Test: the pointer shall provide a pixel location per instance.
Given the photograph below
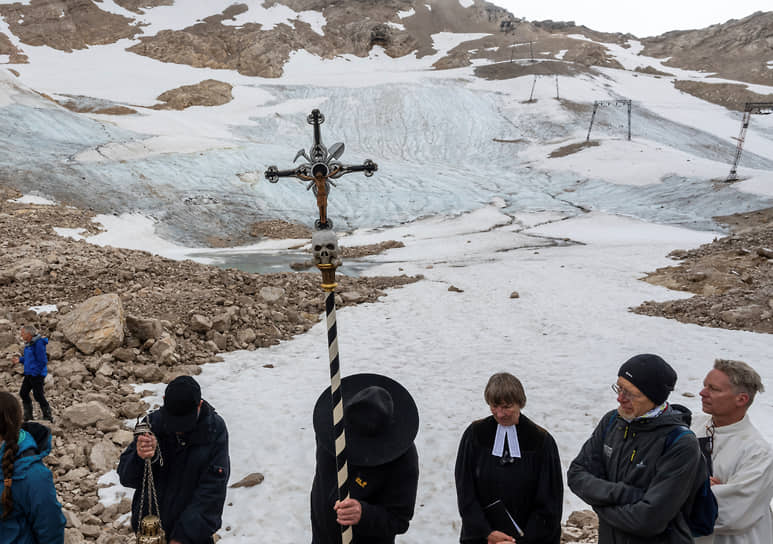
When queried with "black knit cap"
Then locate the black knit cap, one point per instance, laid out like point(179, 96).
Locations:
point(181, 403)
point(651, 374)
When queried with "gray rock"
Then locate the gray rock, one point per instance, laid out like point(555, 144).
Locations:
point(69, 368)
point(95, 325)
point(126, 355)
point(55, 350)
point(86, 414)
point(75, 475)
point(353, 296)
point(27, 269)
point(103, 456)
point(73, 536)
point(148, 373)
point(221, 340)
point(199, 323)
point(272, 294)
point(71, 518)
point(245, 336)
point(164, 348)
point(144, 328)
point(122, 437)
point(222, 322)
point(250, 480)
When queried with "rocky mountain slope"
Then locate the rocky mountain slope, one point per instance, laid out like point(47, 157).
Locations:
point(738, 49)
point(127, 317)
point(731, 278)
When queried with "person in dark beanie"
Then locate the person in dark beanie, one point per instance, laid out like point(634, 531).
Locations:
point(35, 361)
point(626, 471)
point(381, 422)
point(188, 449)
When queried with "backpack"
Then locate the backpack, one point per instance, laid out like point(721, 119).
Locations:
point(701, 509)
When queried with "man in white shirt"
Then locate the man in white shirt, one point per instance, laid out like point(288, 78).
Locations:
point(742, 458)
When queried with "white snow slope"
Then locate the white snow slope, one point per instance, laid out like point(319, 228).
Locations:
point(487, 217)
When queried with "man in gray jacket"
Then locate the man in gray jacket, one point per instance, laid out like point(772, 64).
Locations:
point(635, 481)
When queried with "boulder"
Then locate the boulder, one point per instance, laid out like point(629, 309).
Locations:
point(148, 373)
point(71, 518)
point(353, 297)
point(55, 350)
point(144, 328)
point(26, 269)
point(73, 536)
point(126, 355)
point(222, 322)
point(95, 325)
point(69, 368)
point(7, 339)
point(272, 294)
point(103, 456)
point(164, 348)
point(221, 340)
point(200, 323)
point(86, 414)
point(245, 336)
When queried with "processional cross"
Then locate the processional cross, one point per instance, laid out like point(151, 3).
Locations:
point(321, 167)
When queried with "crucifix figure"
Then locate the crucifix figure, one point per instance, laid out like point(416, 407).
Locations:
point(321, 166)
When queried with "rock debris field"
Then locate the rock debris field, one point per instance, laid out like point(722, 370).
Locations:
point(126, 317)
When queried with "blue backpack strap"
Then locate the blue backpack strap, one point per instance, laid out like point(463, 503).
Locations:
point(674, 435)
point(610, 424)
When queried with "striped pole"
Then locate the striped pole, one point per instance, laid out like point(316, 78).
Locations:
point(336, 396)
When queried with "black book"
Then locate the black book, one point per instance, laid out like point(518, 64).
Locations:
point(500, 519)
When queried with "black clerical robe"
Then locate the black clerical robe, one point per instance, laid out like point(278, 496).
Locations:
point(530, 486)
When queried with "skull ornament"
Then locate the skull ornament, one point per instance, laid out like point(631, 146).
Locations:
point(324, 245)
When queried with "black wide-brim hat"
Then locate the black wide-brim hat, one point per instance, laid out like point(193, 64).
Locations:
point(363, 395)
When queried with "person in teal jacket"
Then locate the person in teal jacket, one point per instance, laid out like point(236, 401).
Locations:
point(29, 510)
point(35, 361)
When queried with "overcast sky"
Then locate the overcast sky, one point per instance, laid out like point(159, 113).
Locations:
point(647, 18)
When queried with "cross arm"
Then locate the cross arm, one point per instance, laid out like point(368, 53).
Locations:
point(273, 174)
point(368, 168)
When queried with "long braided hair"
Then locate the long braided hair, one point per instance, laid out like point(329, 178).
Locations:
point(10, 423)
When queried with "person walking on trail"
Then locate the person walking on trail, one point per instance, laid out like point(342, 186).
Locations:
point(188, 449)
point(29, 510)
point(741, 457)
point(35, 361)
point(626, 471)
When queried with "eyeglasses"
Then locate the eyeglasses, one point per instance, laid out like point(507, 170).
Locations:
point(624, 392)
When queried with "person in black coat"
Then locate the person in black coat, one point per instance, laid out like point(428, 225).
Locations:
point(381, 422)
point(508, 463)
point(189, 451)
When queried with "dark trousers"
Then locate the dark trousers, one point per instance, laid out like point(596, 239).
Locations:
point(34, 384)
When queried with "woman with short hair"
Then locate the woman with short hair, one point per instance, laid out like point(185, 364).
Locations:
point(29, 511)
point(508, 474)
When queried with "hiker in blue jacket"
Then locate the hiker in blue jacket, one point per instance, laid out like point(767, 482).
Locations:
point(29, 511)
point(35, 361)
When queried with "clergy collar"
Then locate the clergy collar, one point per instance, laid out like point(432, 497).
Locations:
point(510, 435)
